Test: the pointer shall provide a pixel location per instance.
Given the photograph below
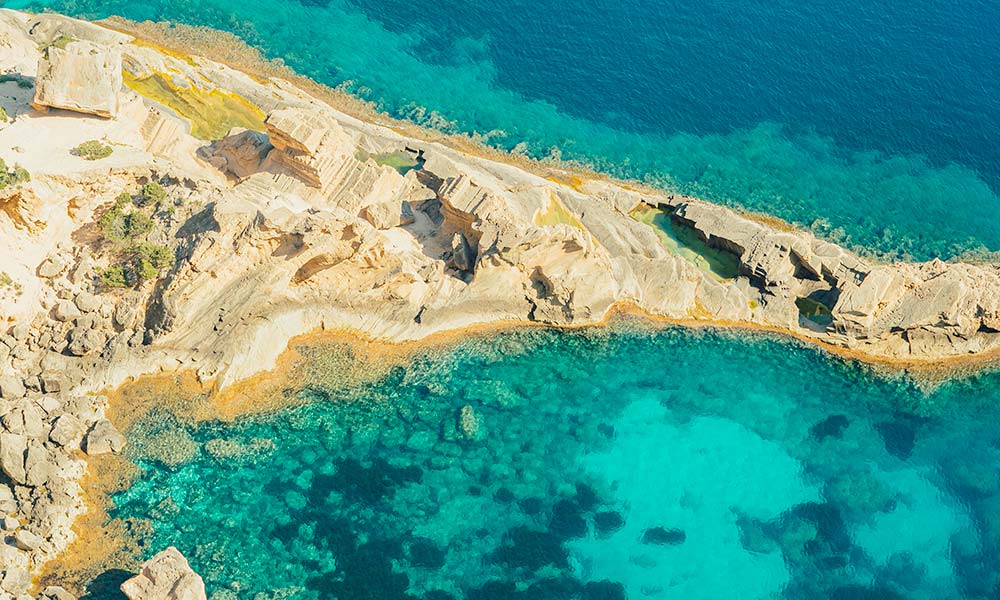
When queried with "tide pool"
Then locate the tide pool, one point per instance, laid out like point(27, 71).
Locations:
point(873, 123)
point(620, 463)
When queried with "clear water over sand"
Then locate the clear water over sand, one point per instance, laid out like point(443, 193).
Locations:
point(625, 464)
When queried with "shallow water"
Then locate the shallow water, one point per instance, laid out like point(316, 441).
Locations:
point(601, 464)
point(873, 122)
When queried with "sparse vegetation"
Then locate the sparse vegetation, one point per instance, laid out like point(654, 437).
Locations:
point(62, 40)
point(12, 176)
point(149, 259)
point(140, 262)
point(152, 194)
point(3, 115)
point(114, 277)
point(127, 224)
point(120, 226)
point(7, 282)
point(92, 150)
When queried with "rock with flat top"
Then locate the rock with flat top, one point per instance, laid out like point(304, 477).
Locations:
point(166, 576)
point(13, 447)
point(51, 267)
point(54, 592)
point(15, 581)
point(103, 438)
point(80, 76)
point(66, 430)
point(26, 540)
point(11, 387)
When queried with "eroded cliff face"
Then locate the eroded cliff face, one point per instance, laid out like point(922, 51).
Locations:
point(296, 217)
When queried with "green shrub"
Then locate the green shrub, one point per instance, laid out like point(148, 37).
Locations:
point(92, 150)
point(114, 277)
point(3, 115)
point(152, 194)
point(156, 257)
point(142, 261)
point(118, 226)
point(12, 176)
point(62, 40)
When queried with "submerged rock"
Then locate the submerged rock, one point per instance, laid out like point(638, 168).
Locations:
point(662, 536)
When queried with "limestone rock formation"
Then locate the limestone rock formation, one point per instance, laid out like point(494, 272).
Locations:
point(316, 223)
point(166, 576)
point(80, 76)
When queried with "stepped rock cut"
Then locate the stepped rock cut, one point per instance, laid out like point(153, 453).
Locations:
point(82, 77)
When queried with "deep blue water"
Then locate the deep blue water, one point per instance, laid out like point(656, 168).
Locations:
point(873, 122)
point(624, 464)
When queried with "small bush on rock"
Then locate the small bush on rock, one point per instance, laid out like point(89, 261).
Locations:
point(148, 260)
point(92, 150)
point(114, 277)
point(12, 176)
point(118, 226)
point(152, 194)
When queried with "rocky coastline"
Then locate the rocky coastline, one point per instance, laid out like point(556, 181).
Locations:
point(161, 212)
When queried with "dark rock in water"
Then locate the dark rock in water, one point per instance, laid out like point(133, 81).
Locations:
point(755, 535)
point(333, 533)
point(504, 496)
point(365, 573)
point(475, 490)
point(899, 437)
point(286, 532)
point(857, 592)
point(368, 485)
point(566, 521)
point(424, 553)
point(608, 522)
point(438, 595)
point(832, 563)
point(830, 528)
point(531, 506)
point(562, 588)
point(586, 498)
point(532, 550)
point(494, 590)
point(603, 590)
point(606, 430)
point(662, 536)
point(832, 426)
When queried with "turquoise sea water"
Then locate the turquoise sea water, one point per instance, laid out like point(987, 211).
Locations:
point(873, 122)
point(602, 464)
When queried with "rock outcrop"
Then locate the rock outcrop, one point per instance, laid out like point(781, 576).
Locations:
point(80, 76)
point(166, 576)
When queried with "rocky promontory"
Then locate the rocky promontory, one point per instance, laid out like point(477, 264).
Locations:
point(161, 212)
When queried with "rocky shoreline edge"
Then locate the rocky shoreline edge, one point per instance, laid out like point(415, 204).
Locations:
point(161, 212)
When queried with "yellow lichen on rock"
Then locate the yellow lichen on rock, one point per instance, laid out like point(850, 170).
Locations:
point(556, 213)
point(212, 113)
